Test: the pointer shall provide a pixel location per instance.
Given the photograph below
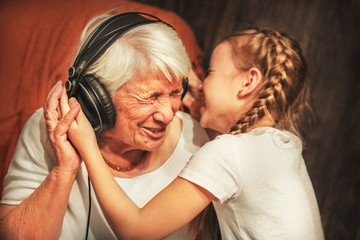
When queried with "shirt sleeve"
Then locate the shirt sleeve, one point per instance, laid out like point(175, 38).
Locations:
point(215, 168)
point(31, 163)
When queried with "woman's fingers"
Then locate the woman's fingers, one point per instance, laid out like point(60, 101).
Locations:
point(52, 99)
point(51, 106)
point(64, 103)
point(64, 124)
point(59, 117)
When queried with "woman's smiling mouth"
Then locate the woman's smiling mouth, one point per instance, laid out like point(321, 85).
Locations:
point(155, 132)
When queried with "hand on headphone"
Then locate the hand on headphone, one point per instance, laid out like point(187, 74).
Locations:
point(59, 117)
point(192, 99)
point(81, 133)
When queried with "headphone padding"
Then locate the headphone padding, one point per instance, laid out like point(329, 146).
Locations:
point(98, 97)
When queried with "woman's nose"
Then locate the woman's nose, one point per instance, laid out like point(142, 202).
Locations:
point(164, 113)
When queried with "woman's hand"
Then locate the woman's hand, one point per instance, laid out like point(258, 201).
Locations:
point(192, 99)
point(58, 118)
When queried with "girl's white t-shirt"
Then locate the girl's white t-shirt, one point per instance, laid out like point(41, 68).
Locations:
point(261, 185)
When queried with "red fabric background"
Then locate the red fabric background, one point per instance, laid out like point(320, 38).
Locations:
point(37, 42)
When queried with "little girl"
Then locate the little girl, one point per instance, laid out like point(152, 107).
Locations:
point(254, 173)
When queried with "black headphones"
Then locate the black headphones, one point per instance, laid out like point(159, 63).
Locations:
point(95, 101)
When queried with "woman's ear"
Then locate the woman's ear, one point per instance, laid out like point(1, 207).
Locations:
point(252, 81)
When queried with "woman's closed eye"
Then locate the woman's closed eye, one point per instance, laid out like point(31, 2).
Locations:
point(151, 98)
point(176, 93)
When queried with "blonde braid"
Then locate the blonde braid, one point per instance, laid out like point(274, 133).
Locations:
point(283, 67)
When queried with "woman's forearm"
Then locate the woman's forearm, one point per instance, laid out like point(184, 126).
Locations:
point(40, 216)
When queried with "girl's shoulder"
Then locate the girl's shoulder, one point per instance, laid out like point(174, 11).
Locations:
point(261, 135)
point(280, 138)
point(258, 139)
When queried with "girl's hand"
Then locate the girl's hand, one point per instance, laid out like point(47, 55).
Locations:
point(81, 133)
point(58, 118)
point(192, 99)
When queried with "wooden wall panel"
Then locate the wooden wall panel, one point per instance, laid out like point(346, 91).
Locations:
point(328, 31)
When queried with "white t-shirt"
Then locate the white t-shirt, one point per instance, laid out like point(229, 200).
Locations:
point(34, 158)
point(261, 185)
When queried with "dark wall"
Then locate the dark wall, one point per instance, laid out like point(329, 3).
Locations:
point(328, 32)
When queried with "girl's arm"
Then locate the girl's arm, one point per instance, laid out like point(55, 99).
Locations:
point(171, 209)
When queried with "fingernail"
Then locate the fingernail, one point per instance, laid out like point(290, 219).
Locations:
point(73, 101)
point(58, 84)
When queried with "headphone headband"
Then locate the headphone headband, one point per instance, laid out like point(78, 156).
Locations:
point(101, 39)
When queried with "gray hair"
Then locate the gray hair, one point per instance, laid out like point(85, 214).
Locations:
point(149, 48)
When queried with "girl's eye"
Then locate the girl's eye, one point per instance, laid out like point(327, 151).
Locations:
point(208, 72)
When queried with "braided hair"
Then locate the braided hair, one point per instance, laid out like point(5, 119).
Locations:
point(284, 91)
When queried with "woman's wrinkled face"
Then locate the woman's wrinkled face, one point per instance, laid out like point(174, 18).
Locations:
point(145, 106)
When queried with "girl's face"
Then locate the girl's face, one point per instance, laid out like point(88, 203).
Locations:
point(221, 109)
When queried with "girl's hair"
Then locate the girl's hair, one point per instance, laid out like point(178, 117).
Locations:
point(284, 93)
point(151, 48)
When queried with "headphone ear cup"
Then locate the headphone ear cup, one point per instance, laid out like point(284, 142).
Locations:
point(96, 103)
